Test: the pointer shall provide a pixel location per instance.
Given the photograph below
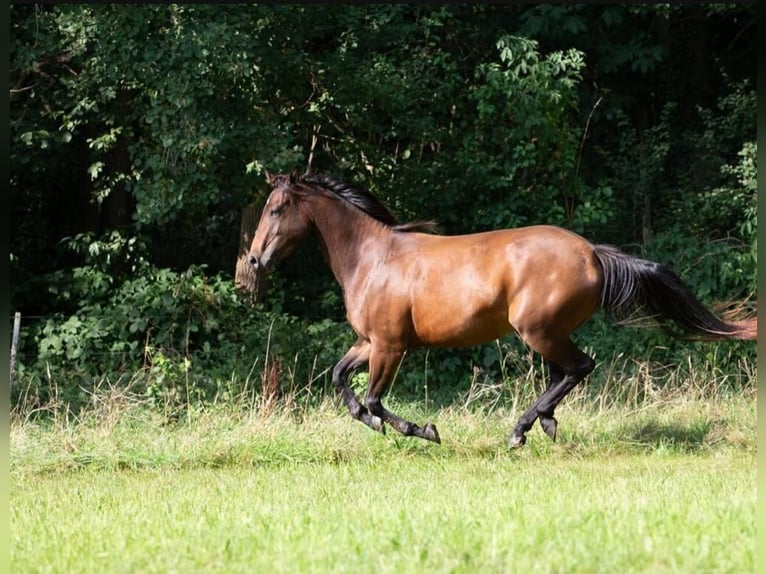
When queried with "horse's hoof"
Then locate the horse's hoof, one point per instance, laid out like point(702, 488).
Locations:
point(550, 425)
point(517, 441)
point(430, 433)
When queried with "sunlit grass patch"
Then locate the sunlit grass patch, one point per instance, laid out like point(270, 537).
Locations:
point(662, 481)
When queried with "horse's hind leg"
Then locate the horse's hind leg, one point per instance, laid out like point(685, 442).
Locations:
point(355, 357)
point(568, 366)
point(547, 403)
point(383, 366)
point(549, 424)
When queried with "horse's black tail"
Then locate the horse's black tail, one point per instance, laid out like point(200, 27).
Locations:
point(633, 284)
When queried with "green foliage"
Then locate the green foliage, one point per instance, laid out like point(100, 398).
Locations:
point(522, 149)
point(139, 133)
point(190, 334)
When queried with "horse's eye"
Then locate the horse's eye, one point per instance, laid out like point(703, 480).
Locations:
point(274, 211)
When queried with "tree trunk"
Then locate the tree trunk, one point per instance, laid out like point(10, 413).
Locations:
point(116, 211)
point(251, 283)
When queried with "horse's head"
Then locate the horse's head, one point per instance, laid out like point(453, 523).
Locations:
point(283, 223)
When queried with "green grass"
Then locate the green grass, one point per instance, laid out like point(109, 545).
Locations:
point(660, 485)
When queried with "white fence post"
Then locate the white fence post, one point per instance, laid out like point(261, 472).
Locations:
point(15, 343)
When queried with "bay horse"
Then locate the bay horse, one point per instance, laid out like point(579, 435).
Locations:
point(405, 286)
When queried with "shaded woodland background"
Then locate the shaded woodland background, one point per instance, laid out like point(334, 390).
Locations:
point(140, 134)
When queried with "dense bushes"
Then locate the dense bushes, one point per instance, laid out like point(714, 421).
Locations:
point(138, 135)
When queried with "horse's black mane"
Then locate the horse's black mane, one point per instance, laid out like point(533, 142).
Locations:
point(357, 196)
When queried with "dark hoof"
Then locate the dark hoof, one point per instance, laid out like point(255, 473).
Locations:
point(430, 433)
point(517, 441)
point(550, 425)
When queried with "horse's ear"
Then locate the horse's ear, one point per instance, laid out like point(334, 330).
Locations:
point(270, 177)
point(295, 175)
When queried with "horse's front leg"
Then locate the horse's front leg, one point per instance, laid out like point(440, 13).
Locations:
point(354, 358)
point(383, 367)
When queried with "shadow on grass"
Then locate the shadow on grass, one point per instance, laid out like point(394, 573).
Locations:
point(653, 435)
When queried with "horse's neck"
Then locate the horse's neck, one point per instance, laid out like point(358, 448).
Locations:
point(349, 238)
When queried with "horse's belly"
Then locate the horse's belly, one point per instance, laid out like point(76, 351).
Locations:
point(452, 322)
point(462, 335)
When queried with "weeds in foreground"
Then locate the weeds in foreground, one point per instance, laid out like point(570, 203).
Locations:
point(644, 409)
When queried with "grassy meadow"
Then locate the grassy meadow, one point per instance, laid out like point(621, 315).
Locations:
point(663, 480)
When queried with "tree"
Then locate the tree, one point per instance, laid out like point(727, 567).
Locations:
point(140, 134)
